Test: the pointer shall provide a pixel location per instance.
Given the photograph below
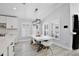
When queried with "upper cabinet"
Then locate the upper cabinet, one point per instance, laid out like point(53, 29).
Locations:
point(2, 19)
point(12, 23)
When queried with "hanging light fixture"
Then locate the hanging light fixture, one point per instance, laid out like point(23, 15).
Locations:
point(36, 9)
point(23, 3)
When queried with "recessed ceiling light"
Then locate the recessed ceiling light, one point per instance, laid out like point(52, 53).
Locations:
point(14, 8)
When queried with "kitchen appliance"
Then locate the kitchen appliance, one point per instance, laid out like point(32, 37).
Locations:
point(75, 29)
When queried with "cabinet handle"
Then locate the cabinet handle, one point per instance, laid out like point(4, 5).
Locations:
point(74, 33)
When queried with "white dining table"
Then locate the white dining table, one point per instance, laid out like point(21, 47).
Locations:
point(43, 38)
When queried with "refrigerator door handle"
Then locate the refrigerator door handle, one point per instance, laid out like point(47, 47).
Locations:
point(74, 33)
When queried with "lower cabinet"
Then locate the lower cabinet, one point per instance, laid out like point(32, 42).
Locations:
point(9, 51)
point(5, 52)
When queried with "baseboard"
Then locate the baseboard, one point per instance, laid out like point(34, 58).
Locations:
point(62, 46)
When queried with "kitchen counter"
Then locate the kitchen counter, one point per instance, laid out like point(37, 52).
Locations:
point(6, 41)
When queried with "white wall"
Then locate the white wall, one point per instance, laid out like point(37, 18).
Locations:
point(74, 9)
point(63, 13)
point(24, 34)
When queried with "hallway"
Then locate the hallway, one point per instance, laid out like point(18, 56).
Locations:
point(24, 48)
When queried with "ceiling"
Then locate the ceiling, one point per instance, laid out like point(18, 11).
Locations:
point(26, 10)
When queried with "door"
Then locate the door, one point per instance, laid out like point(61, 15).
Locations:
point(26, 30)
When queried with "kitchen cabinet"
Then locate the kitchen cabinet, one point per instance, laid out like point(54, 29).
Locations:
point(8, 25)
point(11, 49)
point(12, 23)
point(26, 29)
point(56, 31)
point(46, 29)
point(5, 52)
point(2, 19)
point(52, 29)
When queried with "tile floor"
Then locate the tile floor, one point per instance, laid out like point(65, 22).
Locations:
point(24, 49)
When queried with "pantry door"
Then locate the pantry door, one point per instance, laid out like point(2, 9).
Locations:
point(26, 30)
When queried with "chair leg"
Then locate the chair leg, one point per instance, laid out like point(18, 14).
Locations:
point(39, 48)
point(31, 42)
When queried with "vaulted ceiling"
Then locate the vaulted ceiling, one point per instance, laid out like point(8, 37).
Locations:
point(27, 10)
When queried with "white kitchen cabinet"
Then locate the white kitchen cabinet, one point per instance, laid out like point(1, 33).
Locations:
point(26, 29)
point(46, 29)
point(5, 52)
point(11, 49)
point(52, 29)
point(2, 19)
point(12, 23)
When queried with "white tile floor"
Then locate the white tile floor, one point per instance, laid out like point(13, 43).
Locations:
point(24, 49)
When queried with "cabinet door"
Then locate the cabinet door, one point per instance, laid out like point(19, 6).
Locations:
point(11, 49)
point(12, 22)
point(5, 52)
point(2, 19)
point(46, 29)
point(26, 29)
point(11, 53)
